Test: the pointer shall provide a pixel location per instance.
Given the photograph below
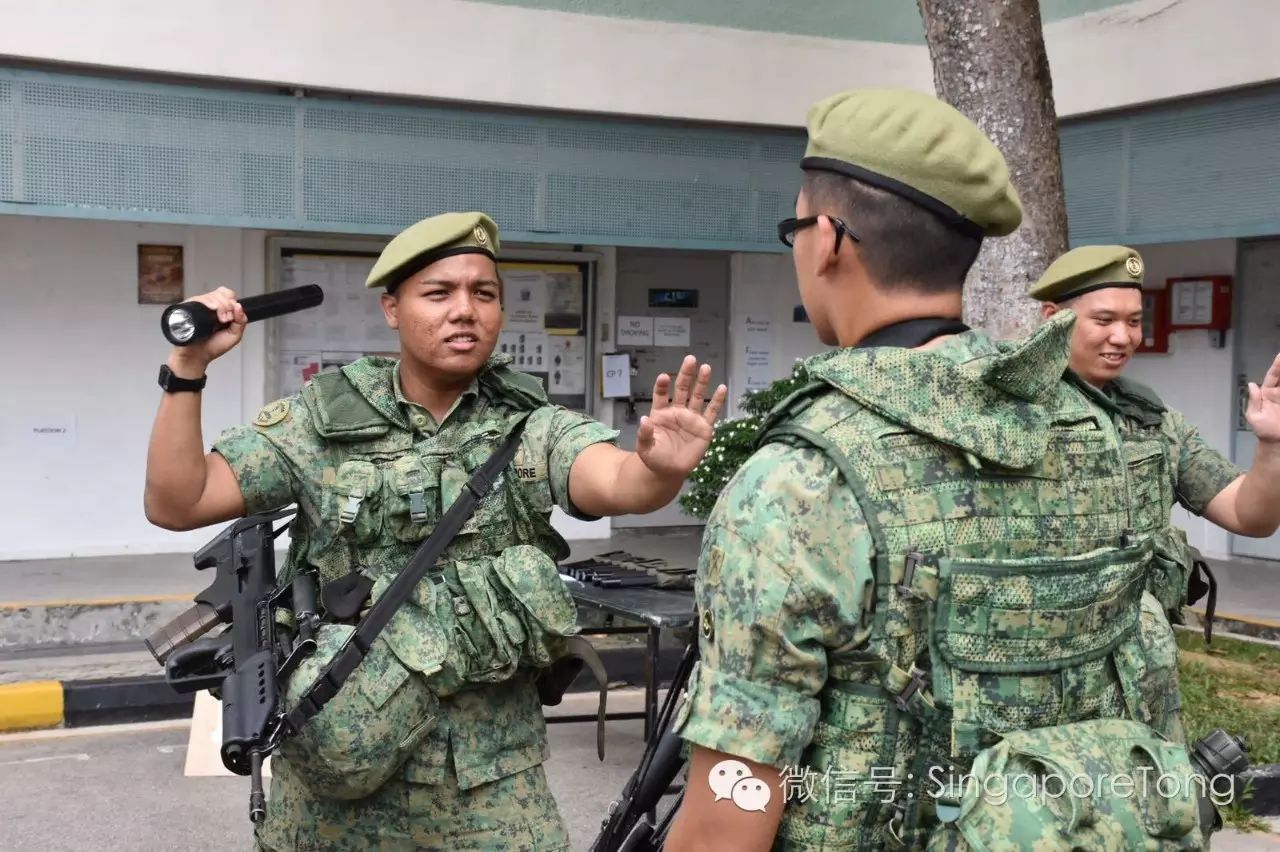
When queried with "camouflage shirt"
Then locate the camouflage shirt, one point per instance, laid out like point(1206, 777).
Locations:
point(1196, 472)
point(777, 593)
point(484, 733)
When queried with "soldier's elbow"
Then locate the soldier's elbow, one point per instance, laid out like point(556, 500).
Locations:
point(1260, 529)
point(161, 514)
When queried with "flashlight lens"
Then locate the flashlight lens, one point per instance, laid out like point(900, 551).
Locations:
point(180, 325)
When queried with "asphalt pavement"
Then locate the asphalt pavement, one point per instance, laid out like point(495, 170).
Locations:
point(122, 789)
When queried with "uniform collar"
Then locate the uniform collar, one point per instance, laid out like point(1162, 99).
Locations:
point(417, 416)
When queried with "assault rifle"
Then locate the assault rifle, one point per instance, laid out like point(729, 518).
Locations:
point(630, 825)
point(248, 662)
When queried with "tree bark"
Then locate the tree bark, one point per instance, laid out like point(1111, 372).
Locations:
point(989, 62)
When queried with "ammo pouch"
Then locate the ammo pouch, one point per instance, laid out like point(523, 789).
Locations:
point(1107, 784)
point(355, 711)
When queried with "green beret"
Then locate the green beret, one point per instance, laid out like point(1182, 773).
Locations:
point(425, 242)
point(919, 148)
point(1088, 268)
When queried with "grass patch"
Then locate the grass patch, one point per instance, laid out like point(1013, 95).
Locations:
point(1232, 685)
point(1235, 686)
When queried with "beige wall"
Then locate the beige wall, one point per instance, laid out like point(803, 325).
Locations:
point(455, 50)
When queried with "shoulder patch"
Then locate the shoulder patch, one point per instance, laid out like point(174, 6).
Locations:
point(273, 413)
point(529, 466)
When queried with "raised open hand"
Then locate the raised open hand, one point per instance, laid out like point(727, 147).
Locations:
point(677, 431)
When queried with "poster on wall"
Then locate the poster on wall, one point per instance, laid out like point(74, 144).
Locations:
point(564, 301)
point(759, 362)
point(568, 369)
point(546, 297)
point(526, 301)
point(528, 350)
point(635, 331)
point(159, 274)
point(671, 331)
point(296, 368)
point(350, 316)
point(753, 335)
point(544, 304)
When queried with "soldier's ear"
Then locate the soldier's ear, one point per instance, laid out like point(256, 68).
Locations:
point(391, 309)
point(1048, 309)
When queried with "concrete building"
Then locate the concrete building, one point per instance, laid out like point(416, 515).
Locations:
point(636, 155)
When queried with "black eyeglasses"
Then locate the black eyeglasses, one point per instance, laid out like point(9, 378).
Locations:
point(787, 229)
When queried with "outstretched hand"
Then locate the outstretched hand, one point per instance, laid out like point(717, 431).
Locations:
point(676, 433)
point(1263, 411)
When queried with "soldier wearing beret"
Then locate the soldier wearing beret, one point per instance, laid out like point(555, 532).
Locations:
point(927, 559)
point(372, 455)
point(1168, 459)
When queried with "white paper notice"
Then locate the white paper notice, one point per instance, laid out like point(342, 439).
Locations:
point(529, 349)
point(671, 331)
point(526, 295)
point(635, 331)
point(615, 370)
point(568, 371)
point(759, 366)
point(755, 328)
point(1192, 302)
point(753, 335)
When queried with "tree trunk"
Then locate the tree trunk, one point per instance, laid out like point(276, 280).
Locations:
point(989, 62)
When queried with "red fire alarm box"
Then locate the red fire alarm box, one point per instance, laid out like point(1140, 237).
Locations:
point(1202, 301)
point(1155, 321)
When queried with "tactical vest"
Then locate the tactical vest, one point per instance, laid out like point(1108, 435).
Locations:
point(1147, 452)
point(1007, 582)
point(493, 604)
point(1139, 417)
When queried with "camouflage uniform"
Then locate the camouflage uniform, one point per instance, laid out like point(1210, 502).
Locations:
point(933, 549)
point(370, 484)
point(1168, 461)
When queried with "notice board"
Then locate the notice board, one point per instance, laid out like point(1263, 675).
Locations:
point(547, 308)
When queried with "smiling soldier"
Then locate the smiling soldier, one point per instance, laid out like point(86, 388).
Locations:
point(1168, 459)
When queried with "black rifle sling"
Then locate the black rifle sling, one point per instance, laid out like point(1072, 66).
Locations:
point(423, 560)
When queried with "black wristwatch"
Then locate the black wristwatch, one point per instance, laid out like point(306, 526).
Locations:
point(176, 384)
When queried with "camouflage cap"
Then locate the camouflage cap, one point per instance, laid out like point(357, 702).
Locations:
point(430, 240)
point(919, 148)
point(1088, 268)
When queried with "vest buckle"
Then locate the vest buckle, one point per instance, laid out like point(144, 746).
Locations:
point(908, 574)
point(916, 681)
point(418, 507)
point(351, 508)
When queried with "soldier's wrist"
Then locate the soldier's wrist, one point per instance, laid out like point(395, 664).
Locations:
point(186, 366)
point(1269, 448)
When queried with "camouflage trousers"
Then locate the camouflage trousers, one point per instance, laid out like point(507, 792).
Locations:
point(517, 813)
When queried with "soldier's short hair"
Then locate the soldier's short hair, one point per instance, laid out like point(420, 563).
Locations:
point(902, 245)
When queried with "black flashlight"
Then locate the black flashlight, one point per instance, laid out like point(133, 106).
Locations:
point(190, 322)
